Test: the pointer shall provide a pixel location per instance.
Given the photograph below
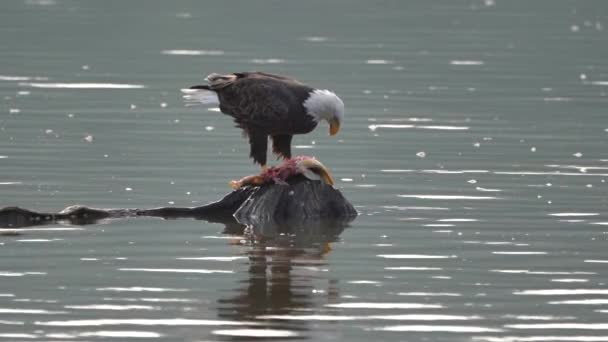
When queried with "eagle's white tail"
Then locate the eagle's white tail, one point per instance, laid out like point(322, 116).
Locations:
point(197, 96)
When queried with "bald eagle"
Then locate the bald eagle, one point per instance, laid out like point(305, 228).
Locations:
point(265, 105)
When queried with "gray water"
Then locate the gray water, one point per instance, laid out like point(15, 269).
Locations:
point(474, 149)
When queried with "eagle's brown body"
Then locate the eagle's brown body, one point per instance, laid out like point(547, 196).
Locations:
point(264, 105)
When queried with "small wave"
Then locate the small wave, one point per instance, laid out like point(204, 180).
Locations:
point(448, 197)
point(543, 272)
point(152, 300)
point(378, 61)
point(40, 2)
point(569, 280)
point(561, 292)
point(82, 85)
point(466, 62)
point(437, 328)
point(22, 78)
point(231, 258)
point(445, 128)
point(315, 39)
point(436, 127)
point(140, 289)
point(375, 127)
point(365, 282)
point(267, 61)
point(545, 338)
point(39, 240)
point(429, 294)
point(175, 270)
point(458, 220)
point(572, 214)
point(256, 333)
point(487, 189)
point(550, 173)
point(48, 229)
point(569, 326)
point(396, 207)
point(538, 317)
point(453, 171)
point(30, 311)
point(118, 333)
point(11, 322)
point(404, 317)
point(414, 256)
point(140, 321)
point(582, 302)
point(110, 307)
point(557, 99)
point(519, 253)
point(413, 268)
point(193, 52)
point(19, 274)
point(18, 335)
point(384, 306)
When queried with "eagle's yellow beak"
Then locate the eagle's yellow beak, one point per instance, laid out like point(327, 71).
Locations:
point(313, 168)
point(334, 127)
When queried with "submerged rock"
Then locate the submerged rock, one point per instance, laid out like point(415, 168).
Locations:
point(300, 202)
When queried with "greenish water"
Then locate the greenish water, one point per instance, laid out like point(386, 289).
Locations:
point(474, 148)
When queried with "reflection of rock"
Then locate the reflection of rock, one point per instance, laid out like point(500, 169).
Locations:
point(300, 201)
point(279, 282)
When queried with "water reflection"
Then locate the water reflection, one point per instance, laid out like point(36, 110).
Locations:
point(283, 260)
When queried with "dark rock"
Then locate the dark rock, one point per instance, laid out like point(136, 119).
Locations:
point(15, 217)
point(268, 208)
point(300, 200)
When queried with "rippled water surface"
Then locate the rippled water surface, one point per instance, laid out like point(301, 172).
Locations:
point(475, 149)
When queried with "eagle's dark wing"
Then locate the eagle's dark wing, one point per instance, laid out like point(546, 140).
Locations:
point(258, 74)
point(257, 104)
point(260, 106)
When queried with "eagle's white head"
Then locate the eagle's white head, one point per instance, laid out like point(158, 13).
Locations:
point(325, 105)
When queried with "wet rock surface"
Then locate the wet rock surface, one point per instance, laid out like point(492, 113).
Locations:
point(300, 203)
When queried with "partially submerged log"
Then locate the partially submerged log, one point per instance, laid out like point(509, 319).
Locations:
point(267, 208)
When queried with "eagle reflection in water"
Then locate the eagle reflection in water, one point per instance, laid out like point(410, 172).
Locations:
point(286, 274)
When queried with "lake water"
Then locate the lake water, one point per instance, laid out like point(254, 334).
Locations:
point(474, 148)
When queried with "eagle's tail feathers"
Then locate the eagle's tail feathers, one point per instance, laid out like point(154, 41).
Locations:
point(194, 96)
